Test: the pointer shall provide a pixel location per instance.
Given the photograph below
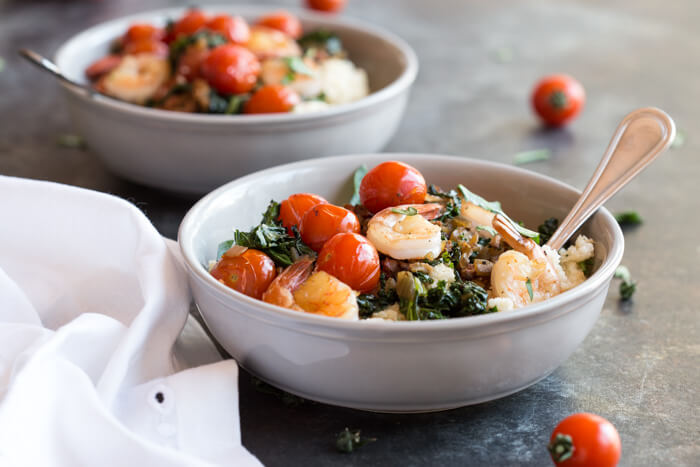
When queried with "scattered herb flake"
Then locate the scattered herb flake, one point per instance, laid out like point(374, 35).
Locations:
point(297, 65)
point(503, 55)
point(587, 266)
point(348, 441)
point(679, 140)
point(409, 211)
point(627, 286)
point(527, 157)
point(71, 141)
point(628, 218)
point(528, 284)
point(356, 180)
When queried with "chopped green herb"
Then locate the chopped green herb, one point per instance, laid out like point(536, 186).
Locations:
point(453, 205)
point(547, 229)
point(356, 181)
point(503, 55)
point(484, 241)
point(527, 157)
point(679, 140)
point(486, 228)
point(324, 39)
point(410, 211)
point(371, 303)
point(218, 104)
point(297, 65)
point(424, 278)
point(71, 141)
point(628, 218)
point(587, 266)
point(348, 441)
point(223, 248)
point(235, 104)
point(495, 207)
point(627, 286)
point(528, 284)
point(273, 239)
point(493, 309)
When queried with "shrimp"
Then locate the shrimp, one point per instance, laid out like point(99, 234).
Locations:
point(477, 215)
point(402, 236)
point(300, 289)
point(137, 78)
point(266, 42)
point(277, 71)
point(527, 263)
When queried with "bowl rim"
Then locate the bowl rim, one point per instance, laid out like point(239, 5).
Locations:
point(196, 271)
point(396, 87)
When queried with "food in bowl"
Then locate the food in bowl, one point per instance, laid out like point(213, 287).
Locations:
point(218, 64)
point(401, 250)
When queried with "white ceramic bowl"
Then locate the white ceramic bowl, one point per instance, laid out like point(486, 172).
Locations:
point(395, 366)
point(195, 152)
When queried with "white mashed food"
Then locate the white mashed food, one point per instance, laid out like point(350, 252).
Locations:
point(342, 82)
point(391, 313)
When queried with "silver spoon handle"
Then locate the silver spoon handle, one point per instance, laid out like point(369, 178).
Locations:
point(639, 139)
point(50, 67)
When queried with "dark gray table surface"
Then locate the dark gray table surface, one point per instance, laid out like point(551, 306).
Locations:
point(639, 367)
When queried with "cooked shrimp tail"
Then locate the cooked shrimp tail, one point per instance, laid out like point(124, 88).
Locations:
point(281, 290)
point(512, 237)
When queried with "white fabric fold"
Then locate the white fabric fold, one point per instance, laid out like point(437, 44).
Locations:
point(95, 366)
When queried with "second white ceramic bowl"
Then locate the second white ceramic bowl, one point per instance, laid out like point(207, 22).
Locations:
point(395, 366)
point(195, 153)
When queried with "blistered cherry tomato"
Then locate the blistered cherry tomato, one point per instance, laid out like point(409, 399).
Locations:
point(351, 258)
point(231, 69)
point(282, 21)
point(272, 98)
point(558, 99)
point(147, 46)
point(292, 209)
point(193, 21)
point(102, 66)
point(585, 439)
point(330, 6)
point(325, 220)
point(142, 31)
point(249, 273)
point(233, 28)
point(390, 184)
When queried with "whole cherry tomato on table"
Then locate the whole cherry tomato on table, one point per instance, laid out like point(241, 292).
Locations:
point(249, 273)
point(351, 258)
point(330, 6)
point(292, 209)
point(584, 440)
point(282, 21)
point(233, 28)
point(391, 184)
point(231, 69)
point(193, 21)
point(558, 99)
point(272, 98)
point(325, 220)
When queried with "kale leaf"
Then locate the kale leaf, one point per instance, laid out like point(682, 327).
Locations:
point(628, 218)
point(453, 205)
point(547, 229)
point(322, 38)
point(272, 238)
point(454, 300)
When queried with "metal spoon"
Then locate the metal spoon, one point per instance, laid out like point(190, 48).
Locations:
point(641, 136)
point(49, 66)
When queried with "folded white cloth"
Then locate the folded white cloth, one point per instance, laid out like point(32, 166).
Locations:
point(95, 367)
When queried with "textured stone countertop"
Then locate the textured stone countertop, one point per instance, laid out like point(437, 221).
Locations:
point(640, 365)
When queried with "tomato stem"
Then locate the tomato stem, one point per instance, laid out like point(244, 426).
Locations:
point(558, 100)
point(561, 448)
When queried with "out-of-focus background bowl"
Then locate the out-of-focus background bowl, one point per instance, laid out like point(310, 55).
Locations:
point(195, 153)
point(395, 366)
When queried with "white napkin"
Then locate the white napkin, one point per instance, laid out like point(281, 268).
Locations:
point(92, 372)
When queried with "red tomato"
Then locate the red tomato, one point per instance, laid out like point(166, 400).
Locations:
point(351, 258)
point(585, 439)
point(147, 46)
point(292, 209)
point(390, 184)
point(193, 21)
point(330, 6)
point(282, 21)
point(231, 69)
point(102, 66)
point(142, 31)
point(325, 220)
point(233, 28)
point(272, 98)
point(557, 99)
point(249, 273)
